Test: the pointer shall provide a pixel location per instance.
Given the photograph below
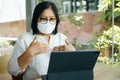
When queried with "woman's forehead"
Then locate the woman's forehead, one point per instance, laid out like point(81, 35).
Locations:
point(48, 13)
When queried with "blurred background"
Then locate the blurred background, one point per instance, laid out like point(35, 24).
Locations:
point(89, 24)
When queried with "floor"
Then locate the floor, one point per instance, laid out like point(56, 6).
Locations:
point(106, 72)
point(5, 76)
point(101, 72)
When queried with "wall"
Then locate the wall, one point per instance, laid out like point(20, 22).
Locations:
point(84, 33)
point(12, 29)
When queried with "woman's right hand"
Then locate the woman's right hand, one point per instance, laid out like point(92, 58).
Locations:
point(36, 47)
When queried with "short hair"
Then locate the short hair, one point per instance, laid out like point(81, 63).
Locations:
point(39, 10)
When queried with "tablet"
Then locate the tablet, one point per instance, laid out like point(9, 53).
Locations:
point(72, 65)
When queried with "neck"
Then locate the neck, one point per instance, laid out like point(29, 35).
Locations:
point(47, 36)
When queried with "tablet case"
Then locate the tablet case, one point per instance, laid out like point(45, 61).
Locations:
point(72, 65)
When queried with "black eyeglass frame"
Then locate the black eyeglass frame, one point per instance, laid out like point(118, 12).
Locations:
point(45, 20)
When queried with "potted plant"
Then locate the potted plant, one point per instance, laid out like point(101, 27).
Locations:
point(104, 41)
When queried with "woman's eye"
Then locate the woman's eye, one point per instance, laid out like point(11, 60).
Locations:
point(43, 19)
point(52, 19)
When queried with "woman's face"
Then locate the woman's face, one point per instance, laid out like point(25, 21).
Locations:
point(46, 22)
point(47, 14)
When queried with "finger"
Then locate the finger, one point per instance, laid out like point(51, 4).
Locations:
point(43, 44)
point(62, 47)
point(42, 51)
point(35, 39)
point(55, 48)
point(67, 42)
point(45, 47)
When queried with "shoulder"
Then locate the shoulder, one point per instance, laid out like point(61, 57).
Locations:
point(25, 37)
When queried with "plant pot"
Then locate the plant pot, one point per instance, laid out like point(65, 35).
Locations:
point(105, 52)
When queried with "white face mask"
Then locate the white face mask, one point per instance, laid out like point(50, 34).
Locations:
point(46, 28)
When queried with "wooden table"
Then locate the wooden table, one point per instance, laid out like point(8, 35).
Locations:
point(106, 72)
point(101, 72)
point(5, 76)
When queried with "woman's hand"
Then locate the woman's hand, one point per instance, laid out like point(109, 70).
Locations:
point(36, 47)
point(67, 47)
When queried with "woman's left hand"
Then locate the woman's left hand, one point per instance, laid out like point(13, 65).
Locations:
point(67, 47)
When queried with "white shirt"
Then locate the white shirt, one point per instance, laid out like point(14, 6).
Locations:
point(39, 63)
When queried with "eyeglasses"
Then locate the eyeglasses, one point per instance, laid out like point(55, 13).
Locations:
point(45, 20)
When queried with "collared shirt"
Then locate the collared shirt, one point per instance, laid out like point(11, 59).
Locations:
point(39, 64)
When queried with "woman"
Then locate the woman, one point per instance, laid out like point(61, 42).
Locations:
point(32, 50)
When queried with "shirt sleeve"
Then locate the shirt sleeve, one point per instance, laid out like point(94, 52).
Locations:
point(13, 67)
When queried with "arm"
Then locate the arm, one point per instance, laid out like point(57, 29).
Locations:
point(34, 49)
point(22, 57)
